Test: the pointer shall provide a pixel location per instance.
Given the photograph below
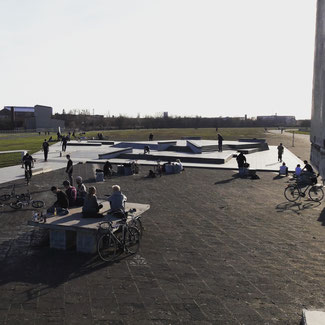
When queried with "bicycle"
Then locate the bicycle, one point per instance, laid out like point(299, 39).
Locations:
point(6, 197)
point(135, 221)
point(293, 191)
point(28, 175)
point(110, 244)
point(25, 199)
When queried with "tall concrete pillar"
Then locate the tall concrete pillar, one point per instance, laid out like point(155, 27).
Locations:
point(317, 134)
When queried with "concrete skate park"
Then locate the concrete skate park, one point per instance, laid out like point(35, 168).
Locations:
point(194, 153)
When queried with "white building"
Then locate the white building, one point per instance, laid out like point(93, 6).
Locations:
point(317, 133)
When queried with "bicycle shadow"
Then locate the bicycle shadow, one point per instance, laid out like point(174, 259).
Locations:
point(297, 207)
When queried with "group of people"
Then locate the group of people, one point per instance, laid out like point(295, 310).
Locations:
point(78, 196)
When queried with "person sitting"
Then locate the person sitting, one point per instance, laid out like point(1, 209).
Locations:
point(283, 169)
point(178, 163)
point(91, 207)
point(71, 193)
point(307, 174)
point(158, 169)
point(81, 192)
point(117, 199)
point(151, 174)
point(298, 171)
point(108, 169)
point(134, 167)
point(61, 205)
point(241, 160)
point(146, 149)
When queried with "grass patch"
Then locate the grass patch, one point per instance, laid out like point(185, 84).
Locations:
point(299, 132)
point(31, 143)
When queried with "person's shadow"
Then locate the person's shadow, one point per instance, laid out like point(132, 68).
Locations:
point(225, 181)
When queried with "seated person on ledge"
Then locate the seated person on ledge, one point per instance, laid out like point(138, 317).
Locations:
point(298, 171)
point(71, 193)
point(117, 200)
point(81, 192)
point(61, 205)
point(108, 169)
point(91, 207)
point(283, 169)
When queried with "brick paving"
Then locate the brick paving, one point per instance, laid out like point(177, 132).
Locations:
point(216, 250)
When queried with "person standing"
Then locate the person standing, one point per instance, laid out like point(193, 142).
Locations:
point(280, 152)
point(69, 169)
point(64, 143)
point(150, 137)
point(45, 149)
point(241, 160)
point(220, 140)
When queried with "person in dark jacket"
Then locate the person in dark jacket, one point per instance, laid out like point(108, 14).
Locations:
point(69, 169)
point(91, 207)
point(220, 140)
point(71, 193)
point(61, 205)
point(108, 169)
point(45, 146)
point(241, 160)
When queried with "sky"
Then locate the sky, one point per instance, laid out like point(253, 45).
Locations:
point(185, 57)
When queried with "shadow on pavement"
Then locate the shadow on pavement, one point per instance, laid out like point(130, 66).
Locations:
point(225, 181)
point(322, 217)
point(297, 207)
point(24, 262)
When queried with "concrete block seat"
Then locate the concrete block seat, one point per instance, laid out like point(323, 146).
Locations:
point(72, 230)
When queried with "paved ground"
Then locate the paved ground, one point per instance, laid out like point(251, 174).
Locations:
point(216, 250)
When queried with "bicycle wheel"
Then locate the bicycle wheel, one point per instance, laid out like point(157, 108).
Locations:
point(37, 204)
point(16, 205)
point(106, 247)
point(132, 240)
point(291, 193)
point(137, 224)
point(5, 197)
point(316, 193)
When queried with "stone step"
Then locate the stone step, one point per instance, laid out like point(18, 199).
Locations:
point(313, 317)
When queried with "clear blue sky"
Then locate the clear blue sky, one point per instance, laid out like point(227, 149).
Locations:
point(204, 57)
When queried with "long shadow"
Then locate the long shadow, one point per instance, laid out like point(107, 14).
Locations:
point(225, 181)
point(297, 207)
point(23, 261)
point(273, 164)
point(321, 217)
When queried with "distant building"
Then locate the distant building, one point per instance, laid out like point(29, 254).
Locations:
point(317, 132)
point(37, 117)
point(165, 114)
point(277, 120)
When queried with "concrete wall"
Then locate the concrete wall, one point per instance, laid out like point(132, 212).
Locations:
point(317, 134)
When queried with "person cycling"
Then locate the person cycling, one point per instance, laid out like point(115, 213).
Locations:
point(28, 161)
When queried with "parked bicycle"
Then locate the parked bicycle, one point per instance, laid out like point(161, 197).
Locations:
point(135, 221)
point(114, 240)
point(24, 200)
point(294, 191)
point(7, 196)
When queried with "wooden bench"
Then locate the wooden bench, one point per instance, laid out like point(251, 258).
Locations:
point(74, 230)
